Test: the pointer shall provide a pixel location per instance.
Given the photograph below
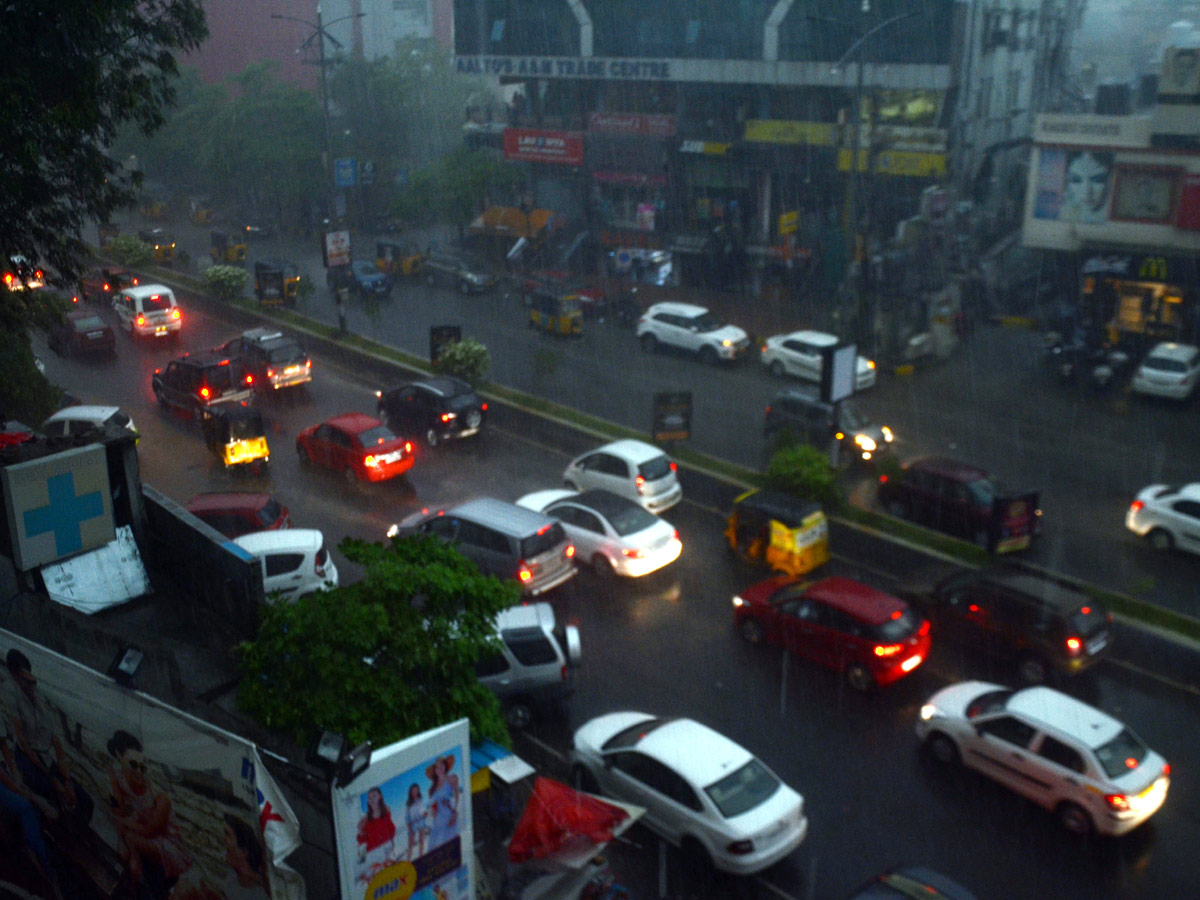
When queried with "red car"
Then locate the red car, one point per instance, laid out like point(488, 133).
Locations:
point(873, 637)
point(359, 446)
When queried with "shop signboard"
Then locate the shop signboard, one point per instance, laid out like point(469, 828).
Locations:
point(707, 148)
point(335, 248)
point(782, 131)
point(534, 145)
point(672, 416)
point(654, 125)
point(789, 222)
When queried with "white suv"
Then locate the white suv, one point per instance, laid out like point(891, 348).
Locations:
point(1167, 516)
point(802, 353)
point(1086, 767)
point(691, 328)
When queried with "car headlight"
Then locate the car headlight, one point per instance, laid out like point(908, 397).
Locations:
point(929, 712)
point(738, 601)
point(727, 343)
point(887, 434)
point(864, 442)
point(393, 531)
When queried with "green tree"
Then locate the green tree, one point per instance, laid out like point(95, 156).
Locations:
point(390, 656)
point(466, 359)
point(459, 187)
point(130, 251)
point(804, 471)
point(226, 282)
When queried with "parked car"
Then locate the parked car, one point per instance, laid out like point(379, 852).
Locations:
point(909, 882)
point(701, 791)
point(102, 284)
point(802, 353)
point(82, 333)
point(148, 310)
point(439, 408)
point(21, 274)
point(1167, 516)
point(628, 468)
point(361, 277)
point(294, 560)
point(1170, 370)
point(845, 625)
point(534, 669)
point(1044, 624)
point(196, 382)
point(1080, 763)
point(502, 539)
point(814, 421)
point(357, 445)
point(691, 328)
point(962, 500)
point(234, 513)
point(79, 419)
point(459, 270)
point(274, 361)
point(613, 534)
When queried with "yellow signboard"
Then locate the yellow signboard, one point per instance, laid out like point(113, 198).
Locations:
point(781, 131)
point(898, 162)
point(789, 222)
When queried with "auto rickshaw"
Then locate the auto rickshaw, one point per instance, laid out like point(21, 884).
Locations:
point(237, 437)
point(200, 211)
point(227, 249)
point(789, 534)
point(276, 283)
point(154, 207)
point(394, 258)
point(555, 313)
point(163, 244)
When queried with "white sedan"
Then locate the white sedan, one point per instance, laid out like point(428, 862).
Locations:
point(1169, 370)
point(801, 353)
point(614, 535)
point(701, 791)
point(1167, 516)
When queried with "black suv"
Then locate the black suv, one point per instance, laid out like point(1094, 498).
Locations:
point(103, 284)
point(196, 382)
point(467, 274)
point(272, 360)
point(439, 408)
point(813, 421)
point(1046, 625)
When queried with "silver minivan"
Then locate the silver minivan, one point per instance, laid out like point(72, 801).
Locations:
point(535, 667)
point(503, 539)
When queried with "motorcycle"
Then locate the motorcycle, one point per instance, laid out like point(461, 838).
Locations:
point(1071, 358)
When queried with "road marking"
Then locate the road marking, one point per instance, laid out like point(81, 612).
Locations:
point(1192, 689)
point(545, 748)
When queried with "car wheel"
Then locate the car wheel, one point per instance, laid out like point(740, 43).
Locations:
point(518, 715)
point(603, 566)
point(942, 749)
point(708, 356)
point(897, 508)
point(649, 343)
point(1032, 670)
point(583, 780)
point(431, 437)
point(1161, 540)
point(860, 678)
point(1074, 818)
point(777, 369)
point(751, 630)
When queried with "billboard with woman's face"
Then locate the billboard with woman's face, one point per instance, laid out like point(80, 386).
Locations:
point(1073, 185)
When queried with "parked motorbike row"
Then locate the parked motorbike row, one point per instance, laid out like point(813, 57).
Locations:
point(1074, 360)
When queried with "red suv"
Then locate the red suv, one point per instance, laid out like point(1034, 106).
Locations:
point(359, 446)
point(848, 626)
point(239, 512)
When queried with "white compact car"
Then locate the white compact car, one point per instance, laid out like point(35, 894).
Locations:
point(294, 560)
point(613, 534)
point(701, 791)
point(801, 353)
point(691, 328)
point(627, 468)
point(1170, 370)
point(1080, 763)
point(82, 419)
point(1167, 516)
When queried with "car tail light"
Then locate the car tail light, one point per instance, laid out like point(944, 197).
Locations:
point(633, 553)
point(883, 479)
point(523, 572)
point(740, 848)
point(141, 319)
point(1074, 645)
point(175, 314)
point(370, 461)
point(1117, 802)
point(767, 411)
point(483, 407)
point(270, 373)
point(136, 282)
point(676, 534)
point(249, 379)
point(8, 278)
point(1166, 769)
point(308, 364)
point(924, 629)
point(408, 446)
point(446, 417)
point(1136, 506)
point(563, 673)
point(888, 649)
point(570, 551)
point(640, 481)
point(107, 288)
point(319, 562)
point(205, 393)
point(74, 298)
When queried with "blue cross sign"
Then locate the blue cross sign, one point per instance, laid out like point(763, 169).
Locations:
point(58, 505)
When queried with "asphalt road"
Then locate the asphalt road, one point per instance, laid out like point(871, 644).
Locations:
point(666, 645)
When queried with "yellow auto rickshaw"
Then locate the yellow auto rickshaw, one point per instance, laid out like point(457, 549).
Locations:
point(227, 249)
point(555, 313)
point(235, 435)
point(163, 244)
point(393, 258)
point(154, 207)
point(276, 283)
point(789, 534)
point(200, 211)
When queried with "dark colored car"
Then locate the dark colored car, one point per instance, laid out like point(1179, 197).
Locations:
point(361, 277)
point(22, 275)
point(274, 361)
point(102, 284)
point(814, 421)
point(196, 382)
point(845, 625)
point(359, 446)
point(469, 275)
point(908, 882)
point(962, 500)
point(82, 333)
point(1009, 612)
point(239, 512)
point(439, 408)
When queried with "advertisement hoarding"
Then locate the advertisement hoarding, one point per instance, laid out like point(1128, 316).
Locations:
point(532, 145)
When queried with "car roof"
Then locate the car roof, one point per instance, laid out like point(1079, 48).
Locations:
point(862, 601)
point(217, 500)
point(76, 314)
point(634, 451)
point(816, 338)
point(261, 334)
point(354, 422)
point(526, 615)
point(1088, 725)
point(205, 358)
point(950, 468)
point(679, 309)
point(81, 411)
point(1046, 590)
point(257, 542)
point(606, 503)
point(501, 514)
point(147, 290)
point(1172, 350)
point(446, 385)
point(695, 751)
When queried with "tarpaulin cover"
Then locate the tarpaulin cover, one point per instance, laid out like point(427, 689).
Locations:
point(557, 815)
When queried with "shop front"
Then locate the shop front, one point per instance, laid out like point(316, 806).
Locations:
point(1140, 298)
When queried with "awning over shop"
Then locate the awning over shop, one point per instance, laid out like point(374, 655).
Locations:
point(565, 826)
point(511, 221)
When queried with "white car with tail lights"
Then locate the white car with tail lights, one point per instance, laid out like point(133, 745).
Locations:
point(628, 468)
point(1077, 761)
point(802, 353)
point(1168, 517)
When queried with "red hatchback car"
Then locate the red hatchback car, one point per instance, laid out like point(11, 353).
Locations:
point(851, 627)
point(359, 446)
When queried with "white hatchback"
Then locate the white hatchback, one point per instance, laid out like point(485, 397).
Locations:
point(701, 791)
point(612, 534)
point(692, 328)
point(627, 468)
point(1167, 516)
point(802, 353)
point(1080, 763)
point(83, 419)
point(294, 561)
point(1169, 370)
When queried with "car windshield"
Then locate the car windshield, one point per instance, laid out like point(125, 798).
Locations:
point(88, 323)
point(221, 377)
point(983, 491)
point(1087, 620)
point(1122, 754)
point(365, 269)
point(630, 519)
point(743, 790)
point(1164, 364)
point(459, 402)
point(898, 628)
point(157, 302)
point(654, 469)
point(270, 512)
point(549, 537)
point(988, 702)
point(287, 354)
point(373, 437)
point(707, 322)
point(630, 736)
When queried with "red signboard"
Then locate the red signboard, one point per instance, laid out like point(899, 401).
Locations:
point(655, 125)
point(531, 145)
point(1189, 204)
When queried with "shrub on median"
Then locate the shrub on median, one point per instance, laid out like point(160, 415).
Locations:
point(225, 282)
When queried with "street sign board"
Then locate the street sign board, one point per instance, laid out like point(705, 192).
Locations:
point(345, 172)
point(335, 248)
point(838, 370)
point(789, 222)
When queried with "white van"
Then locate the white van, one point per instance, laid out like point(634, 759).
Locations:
point(294, 560)
point(148, 310)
